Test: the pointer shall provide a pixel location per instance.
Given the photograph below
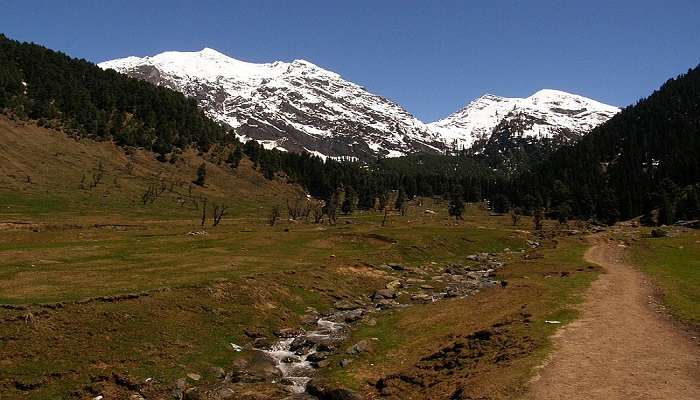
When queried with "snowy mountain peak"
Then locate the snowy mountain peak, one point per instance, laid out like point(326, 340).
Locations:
point(299, 106)
point(547, 113)
point(290, 105)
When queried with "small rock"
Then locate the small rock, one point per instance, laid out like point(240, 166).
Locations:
point(287, 333)
point(194, 377)
point(218, 372)
point(344, 362)
point(344, 305)
point(657, 233)
point(421, 297)
point(254, 332)
point(396, 267)
point(386, 303)
point(394, 285)
point(317, 356)
point(362, 346)
point(263, 343)
point(353, 315)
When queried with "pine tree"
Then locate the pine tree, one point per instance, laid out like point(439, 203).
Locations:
point(400, 199)
point(456, 205)
point(201, 175)
point(350, 201)
point(234, 157)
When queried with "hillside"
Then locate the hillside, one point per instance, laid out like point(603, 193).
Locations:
point(644, 158)
point(50, 176)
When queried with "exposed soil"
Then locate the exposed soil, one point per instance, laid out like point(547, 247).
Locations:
point(620, 348)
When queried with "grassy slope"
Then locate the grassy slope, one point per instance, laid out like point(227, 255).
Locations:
point(674, 265)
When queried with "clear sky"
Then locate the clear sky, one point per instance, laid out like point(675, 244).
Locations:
point(432, 57)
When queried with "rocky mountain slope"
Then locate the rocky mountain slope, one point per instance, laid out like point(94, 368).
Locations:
point(299, 106)
point(550, 114)
point(294, 106)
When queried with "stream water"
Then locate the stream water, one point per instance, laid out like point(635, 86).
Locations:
point(296, 369)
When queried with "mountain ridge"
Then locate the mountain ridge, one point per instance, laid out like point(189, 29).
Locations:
point(299, 106)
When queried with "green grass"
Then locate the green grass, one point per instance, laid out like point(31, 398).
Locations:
point(674, 265)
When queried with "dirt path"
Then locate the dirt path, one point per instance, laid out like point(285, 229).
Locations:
point(620, 348)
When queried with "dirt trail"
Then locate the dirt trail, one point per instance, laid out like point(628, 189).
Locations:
point(620, 348)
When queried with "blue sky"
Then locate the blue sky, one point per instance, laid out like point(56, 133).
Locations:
point(432, 57)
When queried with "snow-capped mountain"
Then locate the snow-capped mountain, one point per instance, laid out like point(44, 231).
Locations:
point(298, 106)
point(550, 114)
point(292, 106)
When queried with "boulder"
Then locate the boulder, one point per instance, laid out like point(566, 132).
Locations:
point(353, 315)
point(324, 391)
point(301, 345)
point(254, 366)
point(384, 294)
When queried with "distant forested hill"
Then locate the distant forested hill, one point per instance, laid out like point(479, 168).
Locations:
point(646, 157)
point(49, 86)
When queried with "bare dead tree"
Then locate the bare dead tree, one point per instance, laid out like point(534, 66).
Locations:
point(97, 175)
point(537, 218)
point(383, 200)
point(317, 211)
point(154, 190)
point(386, 215)
point(219, 211)
point(299, 208)
point(204, 211)
point(515, 215)
point(274, 215)
point(292, 209)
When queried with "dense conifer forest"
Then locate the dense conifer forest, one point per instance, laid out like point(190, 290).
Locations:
point(644, 159)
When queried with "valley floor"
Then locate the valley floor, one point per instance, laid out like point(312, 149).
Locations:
point(105, 294)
